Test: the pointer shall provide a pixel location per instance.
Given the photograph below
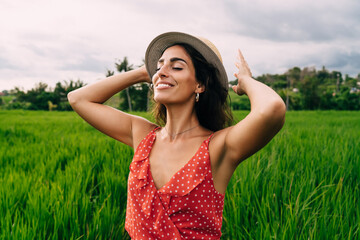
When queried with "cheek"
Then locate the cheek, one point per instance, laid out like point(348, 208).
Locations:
point(154, 78)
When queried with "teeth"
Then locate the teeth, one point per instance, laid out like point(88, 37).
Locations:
point(163, 85)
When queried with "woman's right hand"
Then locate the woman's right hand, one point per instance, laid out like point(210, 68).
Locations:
point(145, 74)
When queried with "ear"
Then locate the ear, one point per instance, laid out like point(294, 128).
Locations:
point(200, 88)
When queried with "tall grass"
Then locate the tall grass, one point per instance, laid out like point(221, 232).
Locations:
point(303, 185)
point(62, 179)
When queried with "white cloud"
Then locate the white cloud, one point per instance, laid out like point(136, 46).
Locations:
point(305, 20)
point(51, 41)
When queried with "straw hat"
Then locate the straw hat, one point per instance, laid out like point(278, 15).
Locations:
point(202, 45)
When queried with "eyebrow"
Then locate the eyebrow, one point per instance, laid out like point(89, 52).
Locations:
point(174, 59)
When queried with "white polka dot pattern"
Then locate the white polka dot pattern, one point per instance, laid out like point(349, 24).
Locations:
point(187, 207)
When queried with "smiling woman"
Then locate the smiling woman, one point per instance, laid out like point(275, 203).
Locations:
point(213, 101)
point(181, 168)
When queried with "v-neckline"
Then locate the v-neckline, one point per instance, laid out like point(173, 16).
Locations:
point(176, 173)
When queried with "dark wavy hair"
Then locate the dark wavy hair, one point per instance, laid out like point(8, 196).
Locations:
point(212, 109)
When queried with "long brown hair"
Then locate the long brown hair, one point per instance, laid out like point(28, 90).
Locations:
point(212, 109)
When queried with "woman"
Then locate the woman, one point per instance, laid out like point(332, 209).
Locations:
point(180, 171)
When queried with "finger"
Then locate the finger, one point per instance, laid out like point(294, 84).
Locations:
point(248, 68)
point(241, 57)
point(238, 75)
point(234, 88)
point(238, 56)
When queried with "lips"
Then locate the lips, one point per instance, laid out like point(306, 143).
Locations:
point(163, 85)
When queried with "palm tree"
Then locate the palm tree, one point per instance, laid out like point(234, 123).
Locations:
point(124, 66)
point(109, 73)
point(148, 96)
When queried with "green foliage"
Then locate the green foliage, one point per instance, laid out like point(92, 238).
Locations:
point(62, 179)
point(133, 98)
point(310, 89)
point(139, 98)
point(38, 98)
point(301, 89)
point(123, 66)
point(239, 102)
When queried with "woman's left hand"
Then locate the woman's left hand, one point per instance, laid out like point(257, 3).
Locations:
point(242, 75)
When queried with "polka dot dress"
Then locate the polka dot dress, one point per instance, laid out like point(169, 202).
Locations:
point(186, 207)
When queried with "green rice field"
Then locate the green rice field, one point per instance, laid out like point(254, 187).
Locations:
point(62, 179)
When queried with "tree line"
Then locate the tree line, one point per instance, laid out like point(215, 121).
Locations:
point(301, 89)
point(41, 97)
point(312, 89)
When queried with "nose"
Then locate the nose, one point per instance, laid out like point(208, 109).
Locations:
point(162, 72)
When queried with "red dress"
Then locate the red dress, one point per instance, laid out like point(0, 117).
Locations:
point(186, 207)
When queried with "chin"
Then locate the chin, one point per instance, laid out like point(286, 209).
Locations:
point(162, 101)
point(162, 98)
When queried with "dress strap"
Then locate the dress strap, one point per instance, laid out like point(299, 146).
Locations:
point(209, 138)
point(153, 132)
point(156, 128)
point(207, 141)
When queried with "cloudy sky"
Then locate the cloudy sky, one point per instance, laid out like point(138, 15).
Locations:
point(56, 40)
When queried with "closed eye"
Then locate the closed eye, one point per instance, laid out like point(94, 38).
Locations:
point(175, 68)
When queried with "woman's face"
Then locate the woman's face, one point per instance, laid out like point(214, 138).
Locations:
point(175, 81)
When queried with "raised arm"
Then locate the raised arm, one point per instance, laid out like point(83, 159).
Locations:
point(88, 103)
point(265, 119)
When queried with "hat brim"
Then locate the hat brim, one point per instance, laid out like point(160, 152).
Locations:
point(165, 40)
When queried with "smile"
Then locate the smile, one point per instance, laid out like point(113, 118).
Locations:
point(163, 86)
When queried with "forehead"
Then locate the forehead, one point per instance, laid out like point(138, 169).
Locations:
point(175, 51)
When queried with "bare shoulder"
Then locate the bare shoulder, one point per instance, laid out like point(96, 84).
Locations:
point(140, 128)
point(219, 136)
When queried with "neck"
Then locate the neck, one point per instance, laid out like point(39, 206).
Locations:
point(180, 119)
point(172, 136)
